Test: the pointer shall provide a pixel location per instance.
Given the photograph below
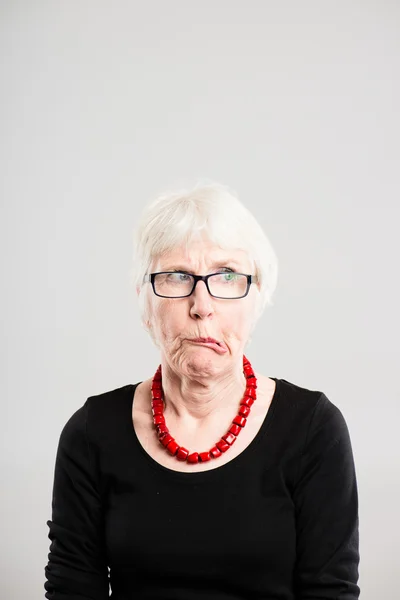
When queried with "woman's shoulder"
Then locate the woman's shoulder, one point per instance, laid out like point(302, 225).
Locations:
point(322, 417)
point(301, 396)
point(295, 389)
point(99, 416)
point(110, 399)
point(107, 410)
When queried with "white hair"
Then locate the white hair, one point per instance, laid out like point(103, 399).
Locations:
point(175, 218)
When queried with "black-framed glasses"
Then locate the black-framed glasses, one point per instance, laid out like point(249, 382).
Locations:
point(227, 285)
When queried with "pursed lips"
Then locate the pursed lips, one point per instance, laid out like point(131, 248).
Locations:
point(219, 347)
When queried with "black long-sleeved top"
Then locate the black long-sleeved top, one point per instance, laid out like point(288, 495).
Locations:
point(277, 522)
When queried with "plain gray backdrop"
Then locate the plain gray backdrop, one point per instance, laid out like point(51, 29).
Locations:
point(295, 105)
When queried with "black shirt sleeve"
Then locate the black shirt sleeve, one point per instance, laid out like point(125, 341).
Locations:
point(326, 502)
point(77, 565)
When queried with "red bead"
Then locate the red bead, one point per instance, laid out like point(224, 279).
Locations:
point(182, 453)
point(157, 410)
point(162, 428)
point(167, 439)
point(222, 445)
point(240, 420)
point(156, 385)
point(204, 456)
point(245, 360)
point(230, 438)
point(251, 392)
point(235, 429)
point(247, 401)
point(244, 411)
point(248, 370)
point(173, 447)
point(215, 452)
point(157, 393)
point(251, 382)
point(158, 419)
point(157, 402)
point(193, 458)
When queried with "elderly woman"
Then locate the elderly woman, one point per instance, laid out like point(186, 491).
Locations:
point(208, 480)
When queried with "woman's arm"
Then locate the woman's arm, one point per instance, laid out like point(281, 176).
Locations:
point(326, 501)
point(77, 566)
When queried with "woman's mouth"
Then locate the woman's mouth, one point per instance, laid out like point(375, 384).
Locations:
point(208, 342)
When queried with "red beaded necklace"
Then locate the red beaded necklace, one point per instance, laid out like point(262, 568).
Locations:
point(181, 453)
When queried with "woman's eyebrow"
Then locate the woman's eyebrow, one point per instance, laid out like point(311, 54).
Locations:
point(216, 265)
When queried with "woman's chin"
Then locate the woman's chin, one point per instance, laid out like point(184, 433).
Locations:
point(202, 362)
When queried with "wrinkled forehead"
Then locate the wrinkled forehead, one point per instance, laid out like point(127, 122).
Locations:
point(203, 253)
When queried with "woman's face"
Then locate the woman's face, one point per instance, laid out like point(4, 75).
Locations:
point(175, 321)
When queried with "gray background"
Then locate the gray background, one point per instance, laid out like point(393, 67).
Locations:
point(295, 105)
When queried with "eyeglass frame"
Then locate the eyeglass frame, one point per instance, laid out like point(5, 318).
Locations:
point(250, 279)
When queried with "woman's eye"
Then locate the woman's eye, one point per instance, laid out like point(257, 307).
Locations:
point(229, 275)
point(178, 277)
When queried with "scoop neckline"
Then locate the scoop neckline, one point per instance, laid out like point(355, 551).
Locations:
point(209, 474)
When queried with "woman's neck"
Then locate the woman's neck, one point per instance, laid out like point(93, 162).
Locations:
point(198, 398)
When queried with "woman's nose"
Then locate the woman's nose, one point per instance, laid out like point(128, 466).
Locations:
point(201, 300)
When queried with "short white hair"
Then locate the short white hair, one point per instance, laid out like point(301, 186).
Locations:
point(175, 218)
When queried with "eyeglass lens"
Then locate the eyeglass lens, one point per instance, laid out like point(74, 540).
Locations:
point(225, 285)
